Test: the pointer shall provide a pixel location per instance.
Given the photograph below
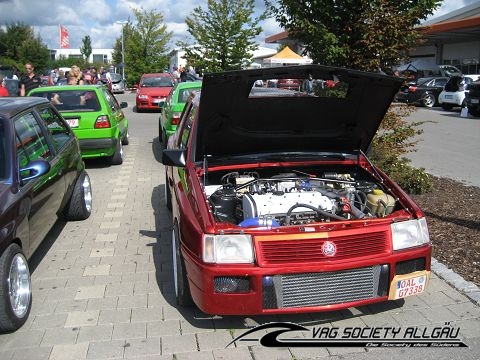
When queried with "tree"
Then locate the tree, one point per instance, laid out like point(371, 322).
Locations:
point(224, 34)
point(366, 35)
point(145, 44)
point(359, 34)
point(19, 45)
point(86, 48)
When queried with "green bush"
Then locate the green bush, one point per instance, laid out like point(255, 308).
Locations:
point(394, 139)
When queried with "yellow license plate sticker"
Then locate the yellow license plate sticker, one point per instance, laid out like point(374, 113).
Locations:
point(408, 284)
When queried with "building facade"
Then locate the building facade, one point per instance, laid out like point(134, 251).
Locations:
point(103, 56)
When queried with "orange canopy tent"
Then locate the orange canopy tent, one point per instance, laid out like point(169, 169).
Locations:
point(286, 57)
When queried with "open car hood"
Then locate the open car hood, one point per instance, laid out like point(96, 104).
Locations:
point(342, 114)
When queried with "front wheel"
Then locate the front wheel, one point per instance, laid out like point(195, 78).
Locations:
point(80, 205)
point(126, 138)
point(168, 194)
point(182, 290)
point(15, 289)
point(428, 100)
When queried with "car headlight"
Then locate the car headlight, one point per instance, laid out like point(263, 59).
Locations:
point(143, 97)
point(411, 233)
point(228, 249)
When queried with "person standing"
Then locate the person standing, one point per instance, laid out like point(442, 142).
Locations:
point(3, 88)
point(30, 80)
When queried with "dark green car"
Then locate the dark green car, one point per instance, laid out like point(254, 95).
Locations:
point(172, 108)
point(95, 116)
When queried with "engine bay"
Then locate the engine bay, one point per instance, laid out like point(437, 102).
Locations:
point(269, 198)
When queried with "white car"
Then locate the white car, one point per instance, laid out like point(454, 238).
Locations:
point(454, 92)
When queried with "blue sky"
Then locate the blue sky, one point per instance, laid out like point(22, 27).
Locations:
point(97, 18)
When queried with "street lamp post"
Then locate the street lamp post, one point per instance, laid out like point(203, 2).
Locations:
point(123, 46)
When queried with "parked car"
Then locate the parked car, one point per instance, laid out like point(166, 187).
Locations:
point(454, 92)
point(118, 83)
point(423, 91)
point(473, 98)
point(152, 90)
point(289, 84)
point(275, 206)
point(95, 116)
point(172, 108)
point(42, 177)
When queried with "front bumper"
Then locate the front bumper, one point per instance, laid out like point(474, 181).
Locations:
point(149, 104)
point(300, 289)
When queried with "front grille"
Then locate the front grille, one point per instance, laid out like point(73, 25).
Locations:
point(320, 289)
point(310, 250)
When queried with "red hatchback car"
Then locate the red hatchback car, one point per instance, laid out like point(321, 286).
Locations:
point(275, 206)
point(152, 90)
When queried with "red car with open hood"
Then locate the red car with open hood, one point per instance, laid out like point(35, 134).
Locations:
point(276, 207)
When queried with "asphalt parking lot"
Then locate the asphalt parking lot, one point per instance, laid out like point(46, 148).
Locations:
point(103, 288)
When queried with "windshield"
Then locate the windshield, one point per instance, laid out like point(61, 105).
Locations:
point(163, 81)
point(116, 77)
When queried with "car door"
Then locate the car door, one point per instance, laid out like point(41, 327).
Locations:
point(65, 146)
point(117, 112)
point(46, 192)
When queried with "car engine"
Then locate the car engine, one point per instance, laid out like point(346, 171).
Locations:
point(295, 199)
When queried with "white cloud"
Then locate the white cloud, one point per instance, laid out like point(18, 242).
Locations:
point(97, 18)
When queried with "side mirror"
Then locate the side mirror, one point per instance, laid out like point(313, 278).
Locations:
point(161, 104)
point(34, 169)
point(123, 104)
point(174, 157)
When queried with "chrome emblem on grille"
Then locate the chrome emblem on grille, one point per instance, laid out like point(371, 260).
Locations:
point(329, 248)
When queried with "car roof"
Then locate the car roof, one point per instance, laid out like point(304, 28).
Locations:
point(57, 88)
point(156, 75)
point(189, 84)
point(10, 106)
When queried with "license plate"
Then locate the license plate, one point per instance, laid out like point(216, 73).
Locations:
point(408, 285)
point(156, 101)
point(448, 96)
point(72, 122)
point(474, 101)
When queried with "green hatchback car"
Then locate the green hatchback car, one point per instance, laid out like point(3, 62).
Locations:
point(172, 108)
point(95, 116)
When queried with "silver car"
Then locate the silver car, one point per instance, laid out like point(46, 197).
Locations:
point(118, 83)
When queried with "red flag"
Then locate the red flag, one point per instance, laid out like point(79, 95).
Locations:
point(64, 42)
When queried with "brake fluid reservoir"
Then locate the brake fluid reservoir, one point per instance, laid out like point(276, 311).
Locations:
point(380, 203)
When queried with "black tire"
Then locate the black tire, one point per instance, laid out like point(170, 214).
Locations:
point(125, 139)
point(168, 194)
point(163, 140)
point(428, 100)
point(117, 157)
point(182, 289)
point(15, 289)
point(474, 111)
point(447, 107)
point(80, 205)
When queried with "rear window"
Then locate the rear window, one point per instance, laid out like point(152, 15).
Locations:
point(311, 87)
point(184, 94)
point(72, 100)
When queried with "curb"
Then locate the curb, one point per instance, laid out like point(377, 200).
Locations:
point(467, 288)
